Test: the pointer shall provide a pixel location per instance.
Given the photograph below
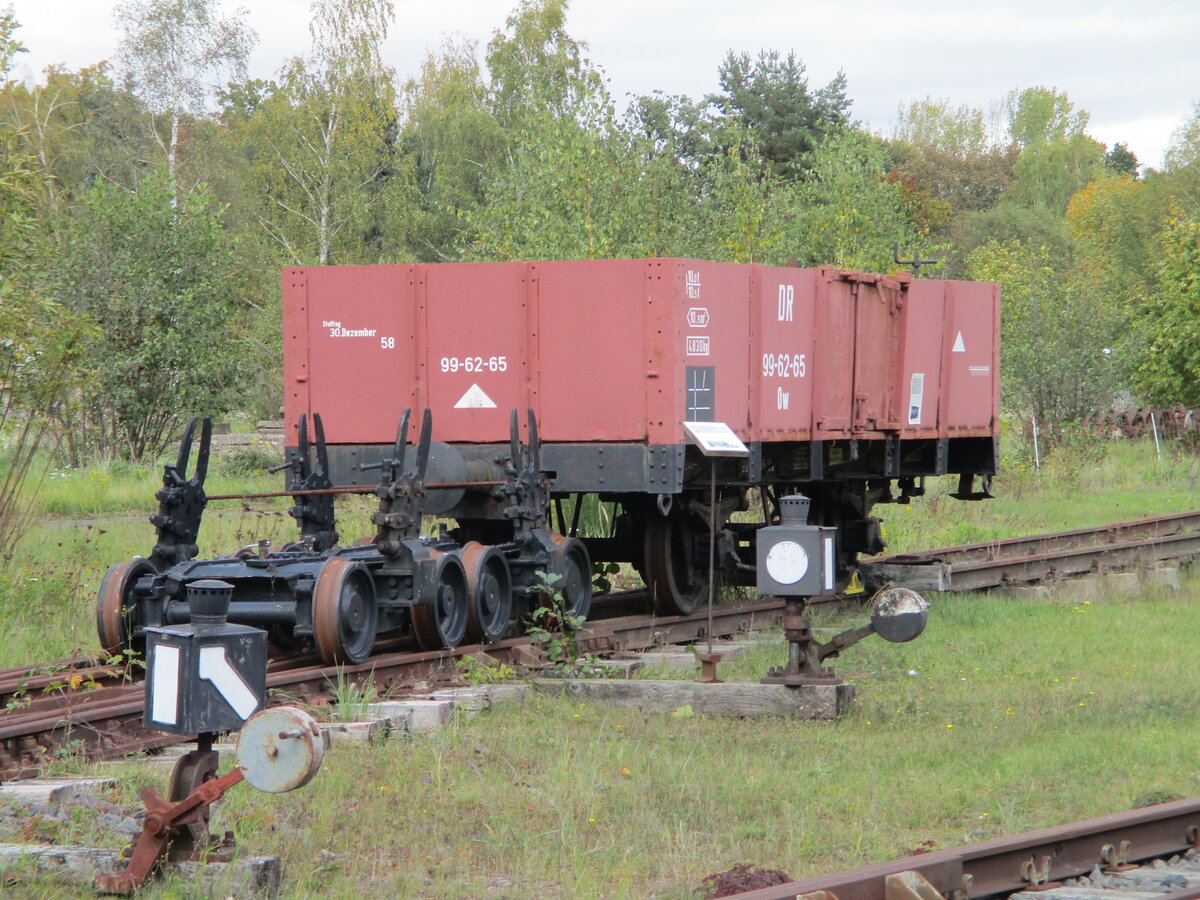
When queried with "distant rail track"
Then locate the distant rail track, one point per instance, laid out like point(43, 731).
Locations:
point(1041, 557)
point(83, 706)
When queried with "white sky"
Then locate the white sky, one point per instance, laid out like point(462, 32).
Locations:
point(1134, 66)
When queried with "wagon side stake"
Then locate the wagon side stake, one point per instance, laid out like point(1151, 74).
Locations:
point(181, 502)
point(314, 513)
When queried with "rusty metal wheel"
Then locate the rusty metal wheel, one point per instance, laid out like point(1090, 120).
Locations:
point(116, 606)
point(344, 613)
point(675, 566)
point(489, 587)
point(442, 624)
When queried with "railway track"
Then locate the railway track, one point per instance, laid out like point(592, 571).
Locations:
point(97, 710)
point(1042, 557)
point(80, 705)
point(1135, 855)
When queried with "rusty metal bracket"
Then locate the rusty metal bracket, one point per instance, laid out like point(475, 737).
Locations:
point(1115, 859)
point(909, 885)
point(1037, 877)
point(165, 823)
point(805, 652)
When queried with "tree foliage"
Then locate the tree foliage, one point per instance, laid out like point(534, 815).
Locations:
point(769, 98)
point(1167, 369)
point(151, 277)
point(332, 182)
point(1059, 338)
point(174, 50)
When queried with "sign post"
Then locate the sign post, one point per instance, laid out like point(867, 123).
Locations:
point(715, 439)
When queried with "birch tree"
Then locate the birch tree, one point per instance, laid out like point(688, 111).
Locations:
point(333, 182)
point(176, 51)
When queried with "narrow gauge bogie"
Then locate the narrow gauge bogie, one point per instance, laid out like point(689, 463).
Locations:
point(339, 599)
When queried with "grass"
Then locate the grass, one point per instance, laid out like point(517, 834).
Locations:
point(1006, 715)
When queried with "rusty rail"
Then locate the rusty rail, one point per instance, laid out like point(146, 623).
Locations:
point(106, 722)
point(1041, 557)
point(1001, 866)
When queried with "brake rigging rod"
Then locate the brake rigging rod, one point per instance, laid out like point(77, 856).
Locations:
point(355, 489)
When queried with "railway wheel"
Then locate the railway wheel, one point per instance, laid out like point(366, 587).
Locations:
point(116, 606)
point(576, 584)
point(344, 612)
point(489, 587)
point(442, 624)
point(673, 568)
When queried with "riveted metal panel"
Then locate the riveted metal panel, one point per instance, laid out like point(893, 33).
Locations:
point(782, 363)
point(970, 360)
point(361, 360)
point(922, 345)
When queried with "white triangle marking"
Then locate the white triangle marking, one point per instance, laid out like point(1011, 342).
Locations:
point(475, 398)
point(959, 346)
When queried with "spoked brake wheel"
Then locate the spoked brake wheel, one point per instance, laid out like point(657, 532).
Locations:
point(674, 571)
point(489, 585)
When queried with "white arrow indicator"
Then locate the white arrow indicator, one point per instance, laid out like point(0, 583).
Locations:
point(959, 346)
point(215, 667)
point(475, 398)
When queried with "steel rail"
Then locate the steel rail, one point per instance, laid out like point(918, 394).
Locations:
point(1001, 866)
point(1040, 557)
point(107, 722)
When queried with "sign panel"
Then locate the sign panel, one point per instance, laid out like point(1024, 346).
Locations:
point(715, 439)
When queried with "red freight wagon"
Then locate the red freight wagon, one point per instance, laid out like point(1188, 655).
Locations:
point(842, 384)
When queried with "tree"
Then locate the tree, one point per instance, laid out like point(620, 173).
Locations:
point(327, 164)
point(1062, 342)
point(456, 143)
point(1113, 230)
point(9, 46)
point(933, 125)
point(537, 68)
point(1121, 161)
point(1057, 157)
point(578, 193)
point(151, 276)
point(1167, 370)
point(849, 212)
point(770, 98)
point(173, 49)
point(1180, 179)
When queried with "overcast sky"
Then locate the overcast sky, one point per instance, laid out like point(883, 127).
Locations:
point(1134, 66)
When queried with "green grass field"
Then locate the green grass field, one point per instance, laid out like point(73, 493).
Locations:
point(1005, 715)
